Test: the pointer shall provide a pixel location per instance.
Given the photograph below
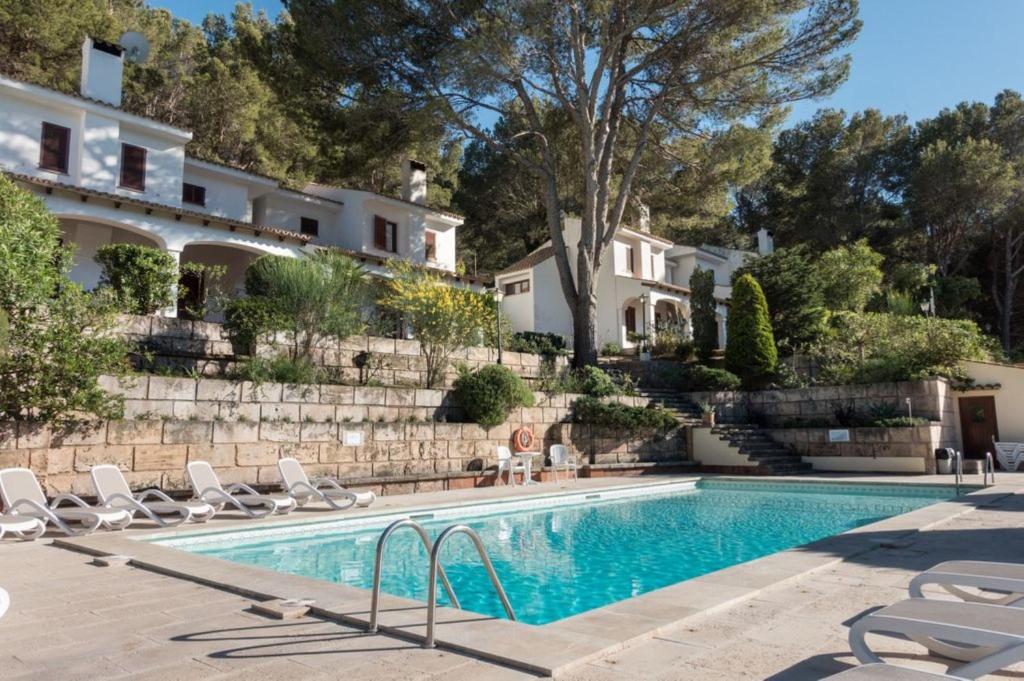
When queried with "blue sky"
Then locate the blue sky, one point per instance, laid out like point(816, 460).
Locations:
point(912, 56)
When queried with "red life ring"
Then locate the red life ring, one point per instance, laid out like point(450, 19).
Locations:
point(522, 439)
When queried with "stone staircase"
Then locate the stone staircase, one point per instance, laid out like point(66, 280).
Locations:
point(771, 457)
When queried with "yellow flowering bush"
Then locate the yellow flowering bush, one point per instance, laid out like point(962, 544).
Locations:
point(444, 318)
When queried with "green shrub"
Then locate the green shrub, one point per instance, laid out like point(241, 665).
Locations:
point(537, 343)
point(899, 422)
point(280, 369)
point(610, 349)
point(594, 381)
point(593, 411)
point(702, 313)
point(489, 395)
point(750, 351)
point(247, 319)
point(58, 339)
point(699, 378)
point(684, 350)
point(141, 278)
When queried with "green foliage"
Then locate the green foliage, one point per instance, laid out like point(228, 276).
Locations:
point(320, 296)
point(702, 313)
point(750, 349)
point(871, 347)
point(956, 296)
point(850, 276)
point(595, 382)
point(899, 422)
point(489, 395)
point(209, 297)
point(446, 318)
point(59, 339)
point(611, 348)
point(699, 378)
point(617, 416)
point(141, 278)
point(670, 341)
point(537, 343)
point(280, 369)
point(792, 289)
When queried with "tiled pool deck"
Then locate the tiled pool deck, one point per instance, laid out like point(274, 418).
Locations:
point(124, 622)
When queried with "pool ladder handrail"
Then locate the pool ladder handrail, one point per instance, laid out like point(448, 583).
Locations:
point(989, 470)
point(435, 569)
point(958, 470)
point(381, 542)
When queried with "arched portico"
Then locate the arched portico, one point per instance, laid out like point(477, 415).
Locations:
point(229, 262)
point(87, 235)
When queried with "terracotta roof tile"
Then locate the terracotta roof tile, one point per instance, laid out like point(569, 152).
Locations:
point(531, 260)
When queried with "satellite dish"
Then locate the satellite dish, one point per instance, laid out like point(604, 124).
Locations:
point(136, 47)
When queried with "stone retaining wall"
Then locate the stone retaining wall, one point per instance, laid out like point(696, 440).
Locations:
point(895, 450)
point(204, 349)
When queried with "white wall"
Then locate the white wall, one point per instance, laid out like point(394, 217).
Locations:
point(165, 162)
point(21, 127)
point(519, 307)
point(87, 238)
point(225, 196)
point(551, 313)
point(278, 209)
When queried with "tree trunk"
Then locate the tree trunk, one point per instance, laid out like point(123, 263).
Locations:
point(585, 332)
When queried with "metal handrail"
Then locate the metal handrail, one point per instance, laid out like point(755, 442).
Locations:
point(990, 469)
point(958, 470)
point(385, 535)
point(435, 566)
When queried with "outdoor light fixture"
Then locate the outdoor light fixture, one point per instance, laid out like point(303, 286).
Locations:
point(498, 296)
point(644, 298)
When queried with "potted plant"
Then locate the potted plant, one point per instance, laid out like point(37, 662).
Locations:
point(643, 347)
point(707, 414)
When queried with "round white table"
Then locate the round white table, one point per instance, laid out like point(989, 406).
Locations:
point(526, 459)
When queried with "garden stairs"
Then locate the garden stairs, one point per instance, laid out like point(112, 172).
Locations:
point(753, 442)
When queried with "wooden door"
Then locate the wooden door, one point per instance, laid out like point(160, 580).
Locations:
point(191, 294)
point(978, 425)
point(631, 320)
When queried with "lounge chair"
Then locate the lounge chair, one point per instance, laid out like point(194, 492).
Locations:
point(986, 637)
point(1005, 578)
point(5, 602)
point(1008, 454)
point(206, 487)
point(22, 496)
point(113, 492)
point(507, 463)
point(889, 672)
point(298, 486)
point(560, 458)
point(23, 527)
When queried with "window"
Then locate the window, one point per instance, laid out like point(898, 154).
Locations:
point(630, 260)
point(385, 234)
point(431, 250)
point(193, 193)
point(54, 144)
point(133, 167)
point(631, 319)
point(515, 287)
point(309, 226)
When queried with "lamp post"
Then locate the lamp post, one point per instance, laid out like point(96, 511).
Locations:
point(497, 294)
point(644, 298)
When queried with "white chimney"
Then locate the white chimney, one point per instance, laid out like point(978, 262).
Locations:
point(414, 181)
point(643, 217)
point(765, 242)
point(102, 71)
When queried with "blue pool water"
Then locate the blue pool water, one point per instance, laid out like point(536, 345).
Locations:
point(561, 561)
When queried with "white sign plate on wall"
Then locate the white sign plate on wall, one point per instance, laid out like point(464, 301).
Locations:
point(838, 436)
point(353, 438)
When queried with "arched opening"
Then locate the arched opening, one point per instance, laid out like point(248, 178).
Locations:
point(211, 273)
point(671, 328)
point(634, 320)
point(87, 236)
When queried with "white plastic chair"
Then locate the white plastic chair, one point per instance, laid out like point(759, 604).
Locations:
point(1009, 454)
point(113, 492)
point(560, 458)
point(298, 485)
point(507, 463)
point(24, 527)
point(206, 487)
point(22, 496)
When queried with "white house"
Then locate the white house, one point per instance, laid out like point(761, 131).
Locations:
point(642, 286)
point(111, 176)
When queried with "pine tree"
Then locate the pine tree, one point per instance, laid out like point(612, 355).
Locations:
point(750, 348)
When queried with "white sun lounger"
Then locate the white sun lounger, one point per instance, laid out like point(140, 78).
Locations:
point(5, 602)
point(298, 485)
point(23, 496)
point(1008, 454)
point(23, 527)
point(206, 487)
point(889, 672)
point(986, 637)
point(1005, 578)
point(113, 492)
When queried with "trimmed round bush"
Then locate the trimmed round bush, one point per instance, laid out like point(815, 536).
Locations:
point(487, 396)
point(699, 378)
point(595, 381)
point(141, 278)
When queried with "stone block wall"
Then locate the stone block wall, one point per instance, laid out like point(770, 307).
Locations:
point(242, 429)
point(203, 348)
point(897, 450)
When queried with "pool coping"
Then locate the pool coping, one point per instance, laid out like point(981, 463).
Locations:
point(550, 649)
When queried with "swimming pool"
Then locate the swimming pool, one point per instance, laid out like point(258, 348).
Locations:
point(563, 555)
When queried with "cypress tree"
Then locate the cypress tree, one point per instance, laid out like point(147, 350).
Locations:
point(750, 348)
point(702, 313)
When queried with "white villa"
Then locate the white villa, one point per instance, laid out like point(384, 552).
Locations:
point(642, 286)
point(112, 176)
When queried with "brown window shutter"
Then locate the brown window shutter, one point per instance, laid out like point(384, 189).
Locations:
point(54, 145)
point(631, 319)
point(133, 167)
point(380, 233)
point(431, 246)
point(510, 289)
point(393, 226)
